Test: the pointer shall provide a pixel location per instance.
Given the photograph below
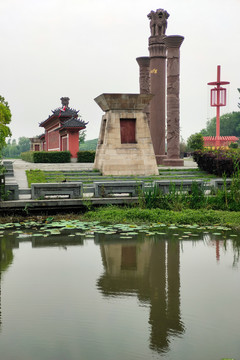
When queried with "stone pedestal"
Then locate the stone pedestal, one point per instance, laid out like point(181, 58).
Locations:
point(124, 144)
point(157, 50)
point(173, 44)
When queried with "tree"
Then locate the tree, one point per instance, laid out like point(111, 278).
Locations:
point(229, 125)
point(195, 142)
point(23, 144)
point(82, 136)
point(183, 147)
point(5, 118)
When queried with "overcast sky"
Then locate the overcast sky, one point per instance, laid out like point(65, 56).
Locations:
point(83, 48)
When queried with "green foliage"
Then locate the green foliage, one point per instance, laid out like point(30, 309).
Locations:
point(47, 156)
point(28, 156)
point(2, 183)
point(114, 214)
point(24, 144)
point(82, 136)
point(14, 149)
point(183, 148)
point(233, 145)
point(218, 162)
point(5, 119)
point(195, 142)
point(174, 199)
point(6, 254)
point(85, 156)
point(89, 145)
point(230, 125)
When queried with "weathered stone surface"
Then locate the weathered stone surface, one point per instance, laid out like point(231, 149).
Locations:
point(158, 22)
point(105, 188)
point(116, 158)
point(157, 51)
point(179, 185)
point(123, 101)
point(157, 105)
point(173, 44)
point(144, 78)
point(12, 191)
point(71, 189)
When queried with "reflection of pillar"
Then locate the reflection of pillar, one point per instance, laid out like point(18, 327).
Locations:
point(158, 299)
point(141, 269)
point(173, 44)
point(157, 50)
point(144, 79)
point(217, 251)
point(173, 276)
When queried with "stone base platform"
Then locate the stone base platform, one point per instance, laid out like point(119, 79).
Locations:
point(173, 162)
point(160, 159)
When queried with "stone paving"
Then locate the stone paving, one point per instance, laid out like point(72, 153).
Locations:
point(20, 167)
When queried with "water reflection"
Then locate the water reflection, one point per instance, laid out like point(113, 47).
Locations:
point(6, 258)
point(10, 241)
point(149, 269)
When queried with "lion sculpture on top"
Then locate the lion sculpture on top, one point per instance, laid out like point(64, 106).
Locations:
point(158, 22)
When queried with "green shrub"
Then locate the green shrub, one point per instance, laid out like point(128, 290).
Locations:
point(219, 162)
point(27, 156)
point(86, 156)
point(233, 145)
point(195, 142)
point(47, 156)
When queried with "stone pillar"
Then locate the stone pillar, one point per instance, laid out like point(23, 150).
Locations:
point(157, 50)
point(173, 44)
point(144, 80)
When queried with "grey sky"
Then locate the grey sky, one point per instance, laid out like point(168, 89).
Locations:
point(82, 48)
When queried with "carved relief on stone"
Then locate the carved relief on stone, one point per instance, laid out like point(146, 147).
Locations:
point(158, 22)
point(173, 138)
point(173, 86)
point(173, 66)
point(144, 81)
point(157, 49)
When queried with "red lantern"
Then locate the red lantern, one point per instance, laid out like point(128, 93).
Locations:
point(222, 93)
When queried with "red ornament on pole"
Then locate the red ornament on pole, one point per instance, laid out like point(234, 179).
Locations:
point(218, 98)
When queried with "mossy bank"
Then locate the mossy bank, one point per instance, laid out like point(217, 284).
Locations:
point(114, 214)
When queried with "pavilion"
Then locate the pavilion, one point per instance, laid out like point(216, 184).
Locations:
point(62, 130)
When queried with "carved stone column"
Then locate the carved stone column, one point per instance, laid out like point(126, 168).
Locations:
point(144, 80)
point(157, 50)
point(173, 44)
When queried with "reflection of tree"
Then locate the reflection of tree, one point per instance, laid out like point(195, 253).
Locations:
point(150, 270)
point(6, 258)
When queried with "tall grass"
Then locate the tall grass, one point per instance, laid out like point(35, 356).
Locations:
point(225, 198)
point(175, 199)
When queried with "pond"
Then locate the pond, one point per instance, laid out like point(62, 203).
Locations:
point(80, 292)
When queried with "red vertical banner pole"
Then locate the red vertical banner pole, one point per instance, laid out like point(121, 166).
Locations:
point(216, 101)
point(218, 107)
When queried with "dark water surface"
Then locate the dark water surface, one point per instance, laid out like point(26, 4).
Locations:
point(148, 297)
